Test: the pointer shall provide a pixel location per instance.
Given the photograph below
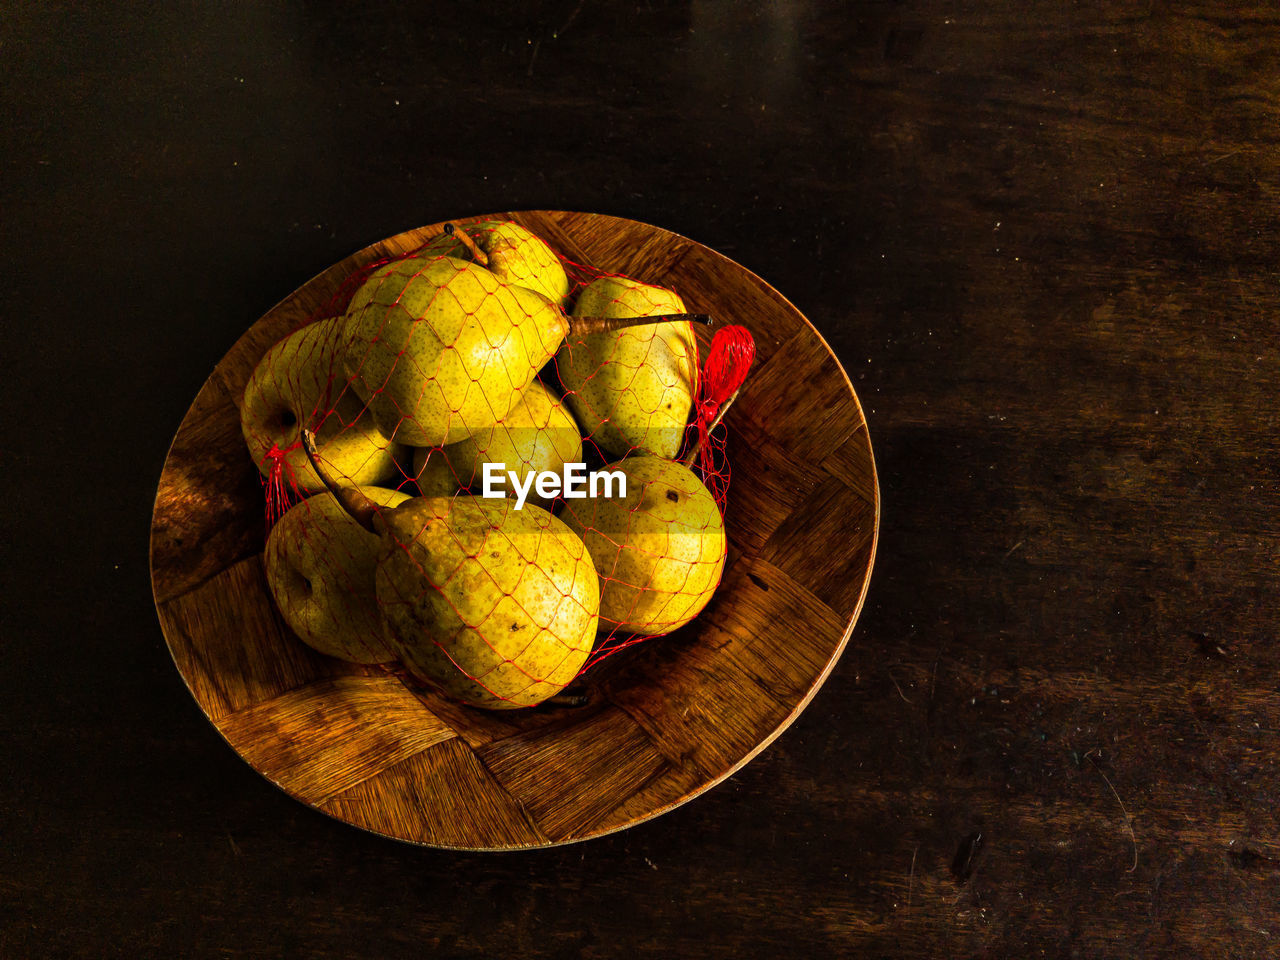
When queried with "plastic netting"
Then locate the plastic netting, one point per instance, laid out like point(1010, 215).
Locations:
point(470, 392)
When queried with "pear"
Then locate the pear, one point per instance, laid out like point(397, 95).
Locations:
point(632, 388)
point(538, 433)
point(300, 381)
point(515, 255)
point(319, 566)
point(494, 606)
point(659, 550)
point(440, 348)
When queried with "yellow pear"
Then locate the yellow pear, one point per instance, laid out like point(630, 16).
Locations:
point(492, 605)
point(319, 567)
point(440, 348)
point(659, 550)
point(631, 389)
point(495, 606)
point(515, 255)
point(300, 382)
point(537, 434)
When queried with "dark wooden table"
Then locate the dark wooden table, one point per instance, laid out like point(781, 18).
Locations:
point(1044, 239)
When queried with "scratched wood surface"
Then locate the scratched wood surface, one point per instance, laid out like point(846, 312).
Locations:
point(664, 721)
point(1041, 237)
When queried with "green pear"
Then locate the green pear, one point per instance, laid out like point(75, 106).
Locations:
point(495, 606)
point(319, 565)
point(300, 382)
point(659, 550)
point(440, 348)
point(515, 256)
point(538, 433)
point(631, 389)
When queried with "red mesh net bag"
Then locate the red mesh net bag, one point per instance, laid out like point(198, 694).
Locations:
point(492, 465)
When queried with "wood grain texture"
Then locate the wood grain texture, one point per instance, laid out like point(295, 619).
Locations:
point(568, 778)
point(257, 658)
point(369, 747)
point(316, 741)
point(1041, 237)
point(443, 797)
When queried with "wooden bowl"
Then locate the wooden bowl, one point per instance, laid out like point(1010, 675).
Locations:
point(666, 719)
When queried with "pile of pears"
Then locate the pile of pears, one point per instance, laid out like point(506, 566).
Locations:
point(470, 351)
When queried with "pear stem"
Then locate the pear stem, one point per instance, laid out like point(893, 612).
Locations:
point(478, 255)
point(724, 407)
point(361, 508)
point(570, 697)
point(586, 326)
